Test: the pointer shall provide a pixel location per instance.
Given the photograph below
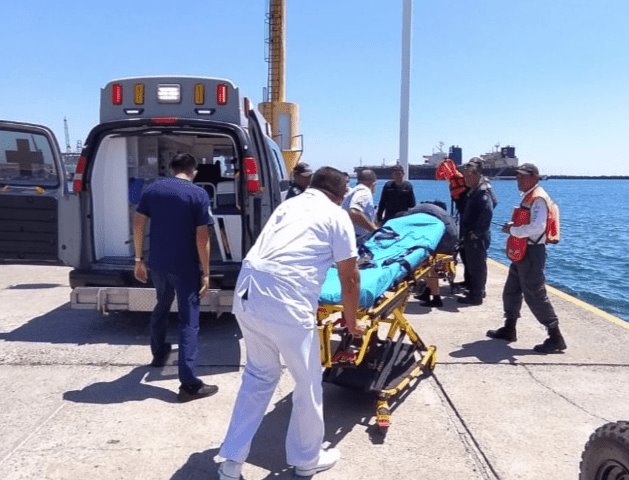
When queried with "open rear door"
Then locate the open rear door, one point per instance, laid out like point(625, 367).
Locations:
point(32, 183)
point(261, 205)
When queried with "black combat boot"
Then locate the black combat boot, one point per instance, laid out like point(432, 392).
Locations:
point(425, 295)
point(553, 344)
point(506, 332)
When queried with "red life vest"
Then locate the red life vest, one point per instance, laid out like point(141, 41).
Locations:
point(447, 171)
point(516, 247)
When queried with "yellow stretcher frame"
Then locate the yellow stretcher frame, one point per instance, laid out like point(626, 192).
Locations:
point(388, 310)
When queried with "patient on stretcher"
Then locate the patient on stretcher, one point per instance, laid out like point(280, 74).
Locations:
point(388, 256)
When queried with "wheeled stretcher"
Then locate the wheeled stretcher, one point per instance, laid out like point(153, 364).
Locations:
point(391, 354)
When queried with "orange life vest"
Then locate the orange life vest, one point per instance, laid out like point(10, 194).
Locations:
point(516, 247)
point(447, 170)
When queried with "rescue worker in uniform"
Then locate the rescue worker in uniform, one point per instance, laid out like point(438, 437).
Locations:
point(526, 275)
point(475, 233)
point(275, 303)
point(485, 184)
point(302, 173)
point(359, 204)
point(179, 259)
point(397, 196)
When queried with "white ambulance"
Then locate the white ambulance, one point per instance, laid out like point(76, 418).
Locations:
point(144, 122)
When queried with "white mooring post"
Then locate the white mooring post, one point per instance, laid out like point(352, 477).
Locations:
point(407, 14)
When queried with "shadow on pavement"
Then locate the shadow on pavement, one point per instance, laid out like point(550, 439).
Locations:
point(344, 410)
point(67, 325)
point(491, 351)
point(128, 388)
point(33, 286)
point(449, 305)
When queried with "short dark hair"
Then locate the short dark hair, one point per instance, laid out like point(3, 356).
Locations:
point(183, 162)
point(329, 180)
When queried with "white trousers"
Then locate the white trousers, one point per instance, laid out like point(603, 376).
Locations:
point(269, 331)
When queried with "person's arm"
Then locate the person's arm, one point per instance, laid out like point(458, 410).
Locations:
point(203, 250)
point(413, 201)
point(485, 214)
point(350, 290)
point(139, 269)
point(360, 219)
point(381, 205)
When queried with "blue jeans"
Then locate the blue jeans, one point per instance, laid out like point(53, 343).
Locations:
point(187, 289)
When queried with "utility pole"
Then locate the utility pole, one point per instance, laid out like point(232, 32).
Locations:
point(407, 14)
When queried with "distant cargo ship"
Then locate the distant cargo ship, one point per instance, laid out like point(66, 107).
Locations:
point(501, 162)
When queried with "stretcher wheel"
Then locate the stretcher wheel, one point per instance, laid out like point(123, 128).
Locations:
point(383, 415)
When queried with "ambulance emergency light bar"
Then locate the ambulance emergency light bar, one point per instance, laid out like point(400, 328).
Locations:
point(172, 97)
point(169, 93)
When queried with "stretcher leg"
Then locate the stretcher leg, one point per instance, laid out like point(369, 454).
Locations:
point(387, 365)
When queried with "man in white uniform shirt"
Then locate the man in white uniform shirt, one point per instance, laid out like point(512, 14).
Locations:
point(359, 204)
point(275, 303)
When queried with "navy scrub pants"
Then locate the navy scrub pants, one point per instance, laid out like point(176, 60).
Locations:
point(187, 288)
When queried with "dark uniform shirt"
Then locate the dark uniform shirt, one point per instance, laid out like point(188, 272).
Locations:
point(176, 208)
point(395, 199)
point(478, 212)
point(294, 190)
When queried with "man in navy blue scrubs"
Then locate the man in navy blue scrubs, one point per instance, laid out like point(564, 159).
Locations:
point(179, 214)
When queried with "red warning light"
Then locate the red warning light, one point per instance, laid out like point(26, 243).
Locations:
point(221, 94)
point(116, 94)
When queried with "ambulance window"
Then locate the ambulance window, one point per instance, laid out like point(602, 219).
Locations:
point(278, 161)
point(27, 159)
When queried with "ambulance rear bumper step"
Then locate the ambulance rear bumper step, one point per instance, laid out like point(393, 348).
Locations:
point(112, 299)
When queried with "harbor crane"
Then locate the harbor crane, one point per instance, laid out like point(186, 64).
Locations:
point(283, 116)
point(67, 135)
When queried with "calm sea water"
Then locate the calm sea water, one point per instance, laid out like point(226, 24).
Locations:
point(592, 260)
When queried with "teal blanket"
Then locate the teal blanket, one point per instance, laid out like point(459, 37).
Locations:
point(388, 256)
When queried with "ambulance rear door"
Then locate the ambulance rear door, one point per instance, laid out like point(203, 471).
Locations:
point(270, 173)
point(38, 216)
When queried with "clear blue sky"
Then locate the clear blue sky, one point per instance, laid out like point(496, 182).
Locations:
point(550, 77)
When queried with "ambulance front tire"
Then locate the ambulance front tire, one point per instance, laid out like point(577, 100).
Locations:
point(606, 453)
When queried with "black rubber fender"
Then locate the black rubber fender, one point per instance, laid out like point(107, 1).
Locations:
point(606, 453)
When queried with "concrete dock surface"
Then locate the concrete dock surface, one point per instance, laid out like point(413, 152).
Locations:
point(79, 401)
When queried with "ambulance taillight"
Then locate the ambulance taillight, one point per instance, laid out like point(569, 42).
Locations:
point(252, 181)
point(116, 94)
point(221, 94)
point(77, 184)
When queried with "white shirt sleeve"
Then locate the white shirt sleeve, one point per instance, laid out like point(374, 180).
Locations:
point(537, 225)
point(359, 200)
point(344, 239)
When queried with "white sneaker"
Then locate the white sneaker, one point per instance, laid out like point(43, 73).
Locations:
point(229, 470)
point(327, 459)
